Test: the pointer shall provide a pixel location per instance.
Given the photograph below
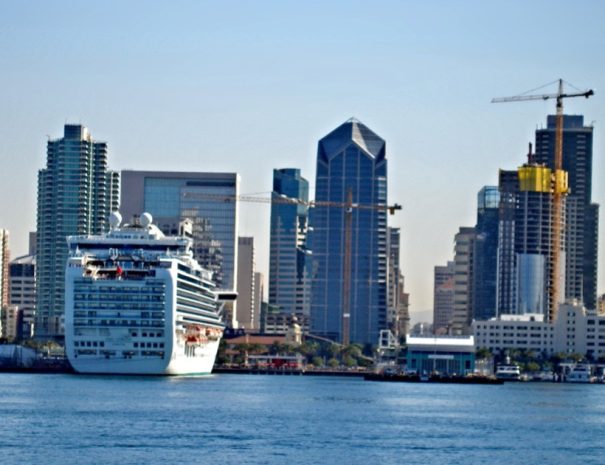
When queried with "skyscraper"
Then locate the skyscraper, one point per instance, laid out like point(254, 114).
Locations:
point(443, 298)
point(209, 200)
point(289, 261)
point(349, 247)
point(485, 254)
point(582, 214)
point(76, 194)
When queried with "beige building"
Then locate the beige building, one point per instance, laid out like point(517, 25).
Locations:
point(575, 331)
point(246, 314)
point(463, 281)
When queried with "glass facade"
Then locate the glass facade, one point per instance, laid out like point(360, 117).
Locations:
point(485, 256)
point(351, 159)
point(290, 259)
point(207, 199)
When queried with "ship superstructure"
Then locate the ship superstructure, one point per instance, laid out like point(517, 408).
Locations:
point(136, 302)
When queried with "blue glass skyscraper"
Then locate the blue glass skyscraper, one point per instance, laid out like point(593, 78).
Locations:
point(351, 160)
point(485, 255)
point(289, 262)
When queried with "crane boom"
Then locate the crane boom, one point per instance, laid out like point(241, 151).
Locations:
point(523, 98)
point(554, 290)
point(348, 207)
point(282, 199)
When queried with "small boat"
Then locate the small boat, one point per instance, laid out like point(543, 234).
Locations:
point(508, 372)
point(581, 373)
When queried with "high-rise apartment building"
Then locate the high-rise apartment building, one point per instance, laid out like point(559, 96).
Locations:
point(350, 247)
point(464, 247)
point(246, 305)
point(290, 258)
point(443, 298)
point(485, 254)
point(209, 200)
point(582, 215)
point(76, 194)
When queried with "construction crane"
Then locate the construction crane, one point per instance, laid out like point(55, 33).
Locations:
point(554, 290)
point(349, 206)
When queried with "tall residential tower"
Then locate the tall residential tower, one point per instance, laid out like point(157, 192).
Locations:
point(76, 194)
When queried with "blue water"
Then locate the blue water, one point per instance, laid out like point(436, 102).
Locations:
point(247, 419)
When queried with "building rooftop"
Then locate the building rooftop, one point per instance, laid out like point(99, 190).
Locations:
point(460, 341)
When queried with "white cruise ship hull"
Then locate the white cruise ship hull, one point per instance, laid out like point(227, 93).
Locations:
point(138, 304)
point(179, 364)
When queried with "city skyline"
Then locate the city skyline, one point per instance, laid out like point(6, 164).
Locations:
point(429, 100)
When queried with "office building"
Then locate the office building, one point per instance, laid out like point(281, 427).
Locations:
point(398, 317)
point(22, 278)
point(485, 254)
point(246, 305)
point(4, 285)
point(508, 186)
point(464, 246)
point(443, 298)
point(582, 214)
point(290, 258)
point(209, 200)
point(76, 194)
point(4, 268)
point(259, 292)
point(349, 289)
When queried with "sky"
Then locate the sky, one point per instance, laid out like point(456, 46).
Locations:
point(249, 86)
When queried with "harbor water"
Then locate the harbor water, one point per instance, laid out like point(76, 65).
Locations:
point(256, 419)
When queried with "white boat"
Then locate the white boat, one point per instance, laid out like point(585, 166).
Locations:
point(580, 373)
point(136, 302)
point(508, 372)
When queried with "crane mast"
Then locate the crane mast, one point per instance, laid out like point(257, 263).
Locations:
point(558, 190)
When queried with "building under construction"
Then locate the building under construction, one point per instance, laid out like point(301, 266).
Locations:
point(526, 243)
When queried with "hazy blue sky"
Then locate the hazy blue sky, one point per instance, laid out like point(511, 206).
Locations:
point(252, 86)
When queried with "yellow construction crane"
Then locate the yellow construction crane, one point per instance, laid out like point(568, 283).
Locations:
point(557, 189)
point(349, 206)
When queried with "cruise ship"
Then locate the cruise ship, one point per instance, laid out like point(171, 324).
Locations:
point(136, 302)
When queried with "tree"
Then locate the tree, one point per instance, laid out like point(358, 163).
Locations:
point(317, 361)
point(483, 353)
point(333, 362)
point(532, 367)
